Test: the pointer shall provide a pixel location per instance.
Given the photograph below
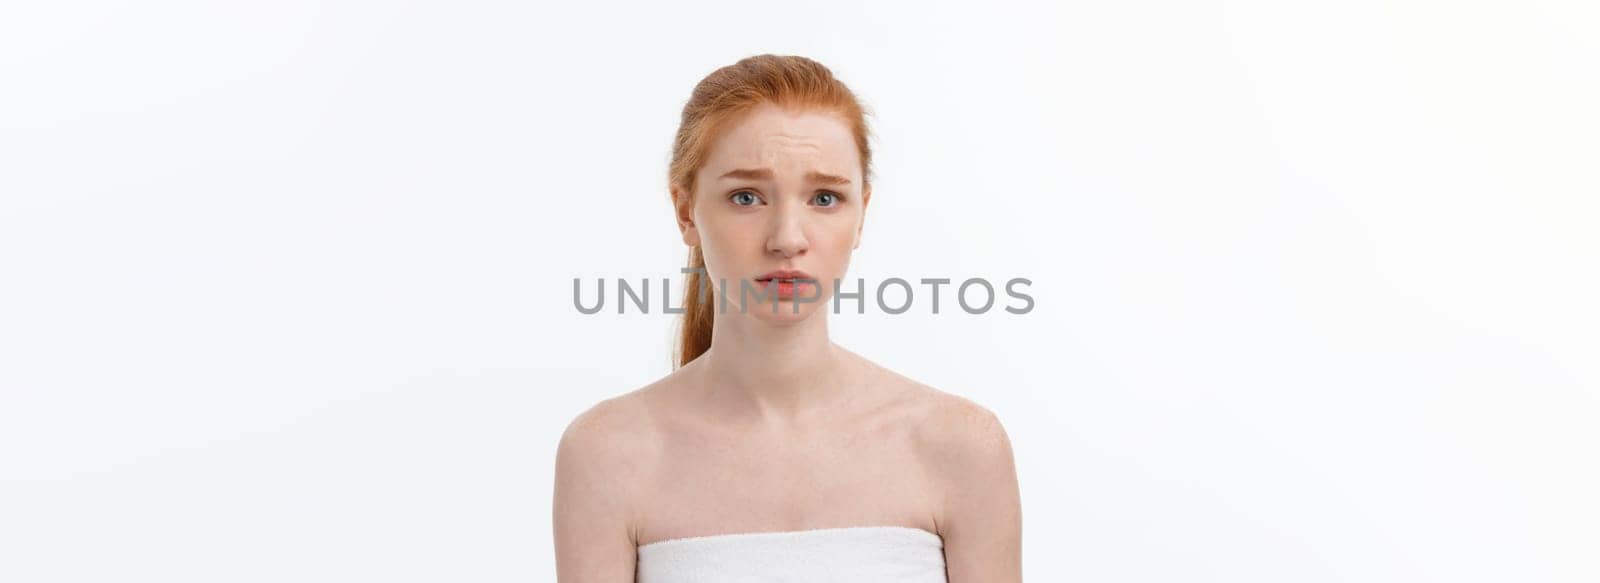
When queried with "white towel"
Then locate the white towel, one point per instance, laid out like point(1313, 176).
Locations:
point(854, 554)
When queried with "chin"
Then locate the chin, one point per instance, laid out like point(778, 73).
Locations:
point(786, 313)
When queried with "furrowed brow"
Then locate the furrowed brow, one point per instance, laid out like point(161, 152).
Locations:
point(766, 174)
point(830, 179)
point(749, 174)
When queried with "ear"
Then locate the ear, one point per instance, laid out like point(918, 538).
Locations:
point(684, 209)
point(866, 199)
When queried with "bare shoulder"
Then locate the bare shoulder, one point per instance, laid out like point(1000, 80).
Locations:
point(952, 429)
point(617, 433)
point(601, 460)
point(977, 505)
point(960, 442)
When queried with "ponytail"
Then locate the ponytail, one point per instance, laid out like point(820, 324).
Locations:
point(695, 337)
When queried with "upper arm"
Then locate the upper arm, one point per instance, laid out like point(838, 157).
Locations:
point(980, 516)
point(594, 539)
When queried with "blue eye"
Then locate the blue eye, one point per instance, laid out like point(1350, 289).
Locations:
point(830, 198)
point(744, 198)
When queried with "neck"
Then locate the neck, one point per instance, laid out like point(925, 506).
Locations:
point(775, 371)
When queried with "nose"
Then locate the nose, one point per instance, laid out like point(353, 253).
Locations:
point(788, 237)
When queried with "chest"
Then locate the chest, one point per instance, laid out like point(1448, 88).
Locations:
point(705, 485)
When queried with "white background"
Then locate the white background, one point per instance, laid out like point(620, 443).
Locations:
point(285, 288)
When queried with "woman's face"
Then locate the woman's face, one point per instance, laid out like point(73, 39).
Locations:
point(780, 190)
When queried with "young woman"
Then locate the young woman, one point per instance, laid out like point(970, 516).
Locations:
point(771, 453)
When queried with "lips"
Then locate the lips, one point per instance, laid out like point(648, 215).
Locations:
point(784, 276)
point(789, 284)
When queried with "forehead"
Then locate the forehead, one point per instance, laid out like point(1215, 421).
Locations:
point(768, 136)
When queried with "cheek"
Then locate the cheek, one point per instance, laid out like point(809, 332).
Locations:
point(841, 233)
point(728, 236)
point(833, 246)
point(727, 246)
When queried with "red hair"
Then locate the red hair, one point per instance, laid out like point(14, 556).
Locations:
point(788, 81)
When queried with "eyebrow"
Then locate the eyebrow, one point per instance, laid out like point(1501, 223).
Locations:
point(766, 174)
